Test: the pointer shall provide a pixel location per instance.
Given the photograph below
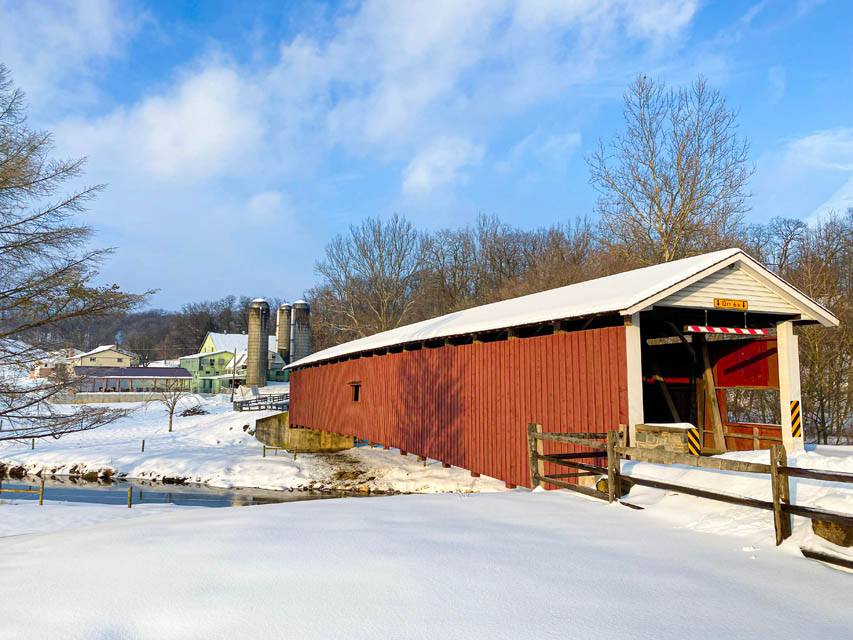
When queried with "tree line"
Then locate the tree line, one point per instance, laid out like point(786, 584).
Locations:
point(153, 334)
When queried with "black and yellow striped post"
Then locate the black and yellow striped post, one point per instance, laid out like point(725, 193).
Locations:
point(796, 419)
point(694, 444)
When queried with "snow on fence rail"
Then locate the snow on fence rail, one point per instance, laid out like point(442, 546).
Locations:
point(614, 451)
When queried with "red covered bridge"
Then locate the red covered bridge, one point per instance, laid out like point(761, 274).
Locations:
point(627, 349)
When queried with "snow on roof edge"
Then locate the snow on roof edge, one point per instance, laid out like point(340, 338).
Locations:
point(105, 347)
point(609, 294)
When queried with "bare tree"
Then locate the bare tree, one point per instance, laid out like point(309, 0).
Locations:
point(450, 268)
point(369, 278)
point(674, 183)
point(555, 257)
point(47, 268)
point(822, 266)
point(172, 396)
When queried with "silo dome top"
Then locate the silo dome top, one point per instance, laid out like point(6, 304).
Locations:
point(301, 303)
point(258, 300)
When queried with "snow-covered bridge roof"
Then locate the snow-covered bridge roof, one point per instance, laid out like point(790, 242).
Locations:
point(623, 293)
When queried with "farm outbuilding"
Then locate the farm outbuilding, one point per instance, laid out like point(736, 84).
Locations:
point(663, 345)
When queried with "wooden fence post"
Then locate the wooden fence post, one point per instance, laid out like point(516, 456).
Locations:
point(536, 449)
point(41, 493)
point(143, 446)
point(264, 454)
point(781, 493)
point(613, 490)
point(129, 496)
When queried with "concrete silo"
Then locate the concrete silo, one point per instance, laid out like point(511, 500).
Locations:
point(258, 355)
point(282, 331)
point(300, 331)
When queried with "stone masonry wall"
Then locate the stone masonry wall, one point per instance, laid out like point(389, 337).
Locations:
point(660, 437)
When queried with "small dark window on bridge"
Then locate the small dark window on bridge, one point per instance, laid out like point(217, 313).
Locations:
point(356, 392)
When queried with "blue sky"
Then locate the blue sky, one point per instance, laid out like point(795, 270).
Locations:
point(237, 138)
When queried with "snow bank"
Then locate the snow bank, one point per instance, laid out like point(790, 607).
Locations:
point(512, 565)
point(709, 516)
point(19, 517)
point(215, 449)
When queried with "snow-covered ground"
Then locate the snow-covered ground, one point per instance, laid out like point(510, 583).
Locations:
point(491, 565)
point(753, 526)
point(215, 449)
point(20, 517)
point(495, 564)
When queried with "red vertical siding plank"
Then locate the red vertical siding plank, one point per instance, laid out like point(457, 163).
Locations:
point(570, 387)
point(506, 416)
point(560, 368)
point(603, 382)
point(584, 379)
point(595, 354)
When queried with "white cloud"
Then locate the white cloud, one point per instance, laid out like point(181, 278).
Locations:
point(207, 126)
point(548, 150)
point(777, 79)
point(385, 79)
point(395, 75)
point(827, 149)
point(267, 208)
point(838, 202)
point(809, 177)
point(659, 20)
point(440, 164)
point(49, 46)
point(410, 80)
point(203, 128)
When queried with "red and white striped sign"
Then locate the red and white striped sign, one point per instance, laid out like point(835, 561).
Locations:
point(694, 328)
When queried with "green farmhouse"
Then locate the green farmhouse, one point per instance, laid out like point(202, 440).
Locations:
point(212, 372)
point(213, 369)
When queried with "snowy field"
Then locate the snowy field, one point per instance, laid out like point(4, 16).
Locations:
point(214, 449)
point(493, 564)
point(500, 565)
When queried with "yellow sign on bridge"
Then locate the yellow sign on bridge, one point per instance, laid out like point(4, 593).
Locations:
point(726, 303)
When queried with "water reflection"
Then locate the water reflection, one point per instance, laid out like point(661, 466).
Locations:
point(107, 491)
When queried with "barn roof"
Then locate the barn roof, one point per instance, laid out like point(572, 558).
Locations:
point(102, 348)
point(204, 355)
point(232, 341)
point(623, 293)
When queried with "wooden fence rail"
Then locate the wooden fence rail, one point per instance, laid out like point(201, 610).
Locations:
point(538, 458)
point(280, 401)
point(39, 491)
point(614, 451)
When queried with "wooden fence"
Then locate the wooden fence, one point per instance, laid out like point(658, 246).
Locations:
point(279, 401)
point(609, 446)
point(39, 491)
